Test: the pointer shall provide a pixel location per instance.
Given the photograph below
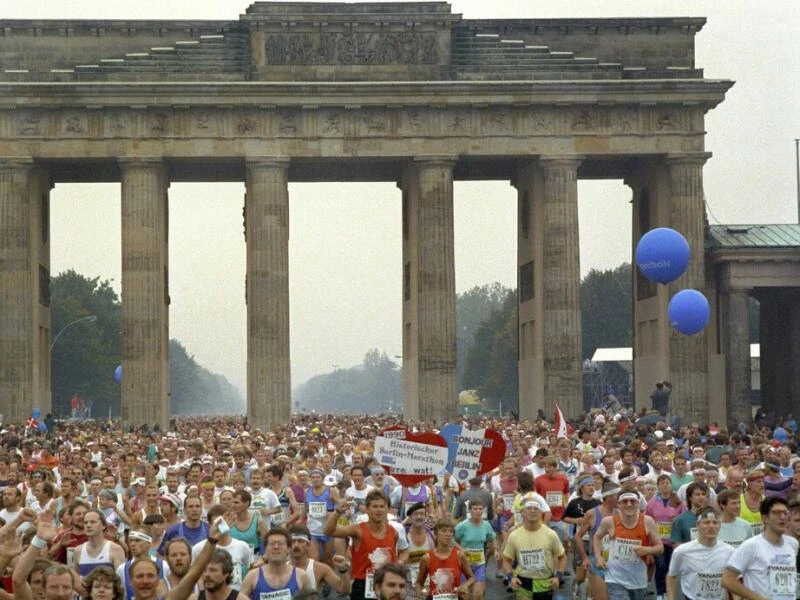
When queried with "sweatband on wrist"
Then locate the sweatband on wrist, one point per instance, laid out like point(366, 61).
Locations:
point(38, 542)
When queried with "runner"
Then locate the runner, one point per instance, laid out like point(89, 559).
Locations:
point(318, 572)
point(633, 538)
point(538, 553)
point(278, 579)
point(447, 566)
point(374, 543)
point(767, 562)
point(477, 537)
point(698, 565)
point(96, 551)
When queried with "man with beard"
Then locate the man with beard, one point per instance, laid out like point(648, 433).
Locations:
point(240, 552)
point(65, 542)
point(217, 578)
point(390, 582)
point(179, 559)
point(12, 504)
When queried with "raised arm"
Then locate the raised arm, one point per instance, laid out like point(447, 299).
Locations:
point(183, 590)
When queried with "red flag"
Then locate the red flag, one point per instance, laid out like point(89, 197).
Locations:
point(560, 425)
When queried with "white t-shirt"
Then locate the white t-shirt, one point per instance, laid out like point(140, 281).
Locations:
point(699, 569)
point(735, 532)
point(766, 568)
point(240, 552)
point(264, 498)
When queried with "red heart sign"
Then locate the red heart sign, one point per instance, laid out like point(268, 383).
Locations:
point(472, 453)
point(409, 457)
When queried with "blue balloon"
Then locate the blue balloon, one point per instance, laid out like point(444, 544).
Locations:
point(662, 255)
point(42, 428)
point(688, 312)
point(36, 413)
point(118, 374)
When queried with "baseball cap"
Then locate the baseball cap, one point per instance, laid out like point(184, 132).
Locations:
point(172, 499)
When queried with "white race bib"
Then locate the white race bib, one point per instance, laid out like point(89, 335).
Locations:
point(693, 533)
point(709, 586)
point(782, 580)
point(369, 590)
point(448, 596)
point(317, 510)
point(532, 560)
point(70, 554)
point(554, 499)
point(508, 502)
point(281, 517)
point(625, 550)
point(279, 595)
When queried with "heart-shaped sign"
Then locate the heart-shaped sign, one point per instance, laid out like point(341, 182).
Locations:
point(472, 453)
point(409, 457)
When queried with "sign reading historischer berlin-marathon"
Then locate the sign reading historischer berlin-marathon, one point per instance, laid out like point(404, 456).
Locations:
point(405, 456)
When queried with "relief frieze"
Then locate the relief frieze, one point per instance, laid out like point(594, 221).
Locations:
point(349, 48)
point(348, 122)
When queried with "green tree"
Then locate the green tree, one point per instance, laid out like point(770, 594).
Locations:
point(85, 356)
point(491, 364)
point(607, 309)
point(472, 308)
point(372, 387)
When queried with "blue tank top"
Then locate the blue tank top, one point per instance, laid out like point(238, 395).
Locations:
point(262, 587)
point(127, 572)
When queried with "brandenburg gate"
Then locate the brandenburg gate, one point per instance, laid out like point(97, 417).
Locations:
point(403, 92)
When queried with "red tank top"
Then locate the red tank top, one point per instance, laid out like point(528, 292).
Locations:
point(371, 547)
point(637, 533)
point(444, 573)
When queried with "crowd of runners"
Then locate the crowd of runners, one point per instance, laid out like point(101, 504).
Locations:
point(214, 510)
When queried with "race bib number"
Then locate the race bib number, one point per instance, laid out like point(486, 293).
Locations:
point(508, 502)
point(281, 517)
point(554, 499)
point(693, 533)
point(70, 554)
point(475, 557)
point(709, 586)
point(757, 528)
point(279, 595)
point(236, 576)
point(532, 560)
point(625, 550)
point(369, 585)
point(605, 547)
point(782, 580)
point(664, 530)
point(317, 510)
point(413, 573)
point(448, 596)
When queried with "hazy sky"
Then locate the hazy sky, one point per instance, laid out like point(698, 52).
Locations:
point(345, 250)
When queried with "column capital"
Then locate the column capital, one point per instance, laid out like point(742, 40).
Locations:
point(16, 162)
point(435, 160)
point(139, 162)
point(687, 158)
point(567, 161)
point(272, 162)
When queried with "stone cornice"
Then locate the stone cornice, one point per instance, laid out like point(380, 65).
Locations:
point(706, 93)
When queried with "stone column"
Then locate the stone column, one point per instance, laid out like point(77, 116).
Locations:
point(689, 354)
point(793, 374)
point(561, 278)
point(430, 324)
point(269, 388)
point(737, 356)
point(16, 292)
point(145, 293)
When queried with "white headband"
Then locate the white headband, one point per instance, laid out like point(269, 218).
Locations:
point(138, 535)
